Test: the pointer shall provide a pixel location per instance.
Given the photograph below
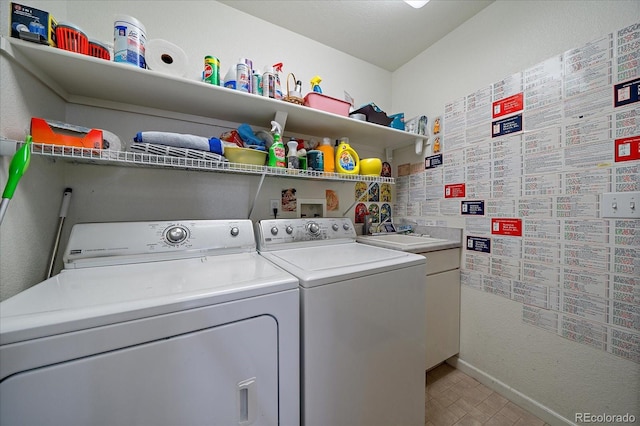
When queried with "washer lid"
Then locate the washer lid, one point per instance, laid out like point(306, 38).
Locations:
point(331, 263)
point(83, 298)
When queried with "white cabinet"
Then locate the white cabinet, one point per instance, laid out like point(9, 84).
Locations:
point(443, 305)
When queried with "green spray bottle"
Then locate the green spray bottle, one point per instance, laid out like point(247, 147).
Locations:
point(276, 151)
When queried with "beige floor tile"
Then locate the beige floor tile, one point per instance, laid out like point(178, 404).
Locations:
point(470, 409)
point(476, 395)
point(455, 399)
point(468, 421)
point(513, 411)
point(499, 420)
point(529, 421)
point(441, 417)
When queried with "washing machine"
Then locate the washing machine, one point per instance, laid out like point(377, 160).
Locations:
point(362, 323)
point(154, 323)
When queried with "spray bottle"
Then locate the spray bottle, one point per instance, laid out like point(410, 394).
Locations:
point(276, 151)
point(293, 162)
point(277, 69)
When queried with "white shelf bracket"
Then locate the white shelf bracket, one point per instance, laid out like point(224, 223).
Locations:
point(281, 119)
point(389, 153)
point(419, 145)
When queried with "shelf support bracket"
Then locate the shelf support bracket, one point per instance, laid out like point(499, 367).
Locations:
point(281, 119)
point(419, 145)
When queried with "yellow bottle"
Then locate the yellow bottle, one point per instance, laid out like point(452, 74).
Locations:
point(347, 160)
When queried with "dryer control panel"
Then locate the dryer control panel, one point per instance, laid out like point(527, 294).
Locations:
point(276, 233)
point(94, 244)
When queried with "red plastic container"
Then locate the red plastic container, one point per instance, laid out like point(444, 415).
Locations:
point(327, 103)
point(71, 38)
point(98, 50)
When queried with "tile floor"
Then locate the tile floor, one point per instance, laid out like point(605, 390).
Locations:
point(455, 399)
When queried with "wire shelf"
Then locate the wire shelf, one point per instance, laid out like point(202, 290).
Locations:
point(139, 159)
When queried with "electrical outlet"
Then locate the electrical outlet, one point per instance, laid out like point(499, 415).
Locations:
point(274, 204)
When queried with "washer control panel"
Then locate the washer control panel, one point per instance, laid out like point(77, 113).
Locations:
point(277, 232)
point(119, 242)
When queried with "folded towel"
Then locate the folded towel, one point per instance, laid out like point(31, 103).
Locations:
point(180, 140)
point(249, 138)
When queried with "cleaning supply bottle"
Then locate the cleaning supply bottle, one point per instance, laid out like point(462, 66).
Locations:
point(328, 155)
point(230, 78)
point(347, 160)
point(292, 158)
point(276, 150)
point(315, 84)
point(268, 83)
point(277, 70)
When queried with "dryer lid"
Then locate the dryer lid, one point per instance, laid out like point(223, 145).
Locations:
point(330, 263)
point(90, 297)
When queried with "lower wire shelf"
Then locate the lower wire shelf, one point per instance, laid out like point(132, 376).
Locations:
point(139, 159)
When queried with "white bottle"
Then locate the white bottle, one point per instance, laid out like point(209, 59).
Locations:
point(243, 76)
point(230, 78)
point(293, 162)
point(268, 83)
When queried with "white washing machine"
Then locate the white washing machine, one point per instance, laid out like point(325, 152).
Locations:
point(154, 323)
point(362, 323)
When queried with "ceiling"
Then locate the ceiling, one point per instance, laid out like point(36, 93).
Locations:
point(386, 33)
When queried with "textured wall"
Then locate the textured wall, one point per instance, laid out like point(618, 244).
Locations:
point(553, 375)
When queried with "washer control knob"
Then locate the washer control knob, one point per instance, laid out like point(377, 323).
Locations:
point(335, 227)
point(274, 231)
point(289, 229)
point(176, 235)
point(345, 226)
point(235, 231)
point(313, 228)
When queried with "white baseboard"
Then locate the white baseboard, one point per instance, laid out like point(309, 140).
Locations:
point(518, 398)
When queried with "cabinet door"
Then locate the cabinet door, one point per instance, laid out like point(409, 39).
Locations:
point(225, 375)
point(442, 317)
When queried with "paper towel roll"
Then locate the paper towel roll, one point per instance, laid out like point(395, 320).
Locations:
point(112, 140)
point(165, 57)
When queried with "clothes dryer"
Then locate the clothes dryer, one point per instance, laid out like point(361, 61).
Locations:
point(362, 323)
point(154, 323)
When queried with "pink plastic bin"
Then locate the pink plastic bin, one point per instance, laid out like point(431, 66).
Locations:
point(327, 103)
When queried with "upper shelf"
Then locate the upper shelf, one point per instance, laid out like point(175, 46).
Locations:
point(86, 80)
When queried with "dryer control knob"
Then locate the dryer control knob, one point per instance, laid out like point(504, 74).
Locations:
point(274, 231)
point(176, 235)
point(335, 227)
point(235, 231)
point(289, 229)
point(313, 228)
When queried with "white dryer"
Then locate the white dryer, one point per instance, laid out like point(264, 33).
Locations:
point(362, 323)
point(154, 323)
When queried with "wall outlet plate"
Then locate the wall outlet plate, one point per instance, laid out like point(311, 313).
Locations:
point(620, 205)
point(274, 204)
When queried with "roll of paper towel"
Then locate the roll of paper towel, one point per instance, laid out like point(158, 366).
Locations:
point(112, 141)
point(165, 57)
